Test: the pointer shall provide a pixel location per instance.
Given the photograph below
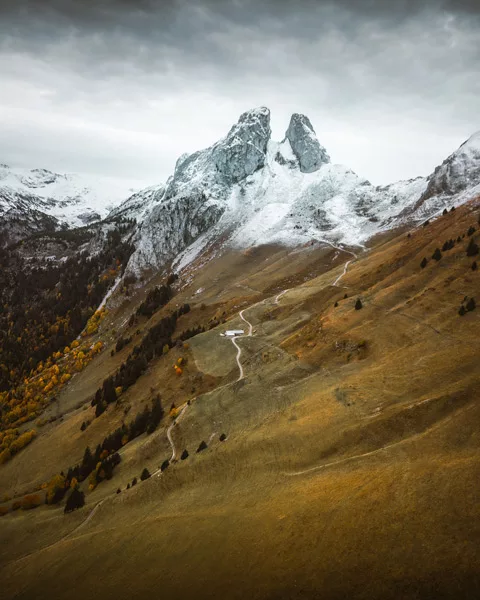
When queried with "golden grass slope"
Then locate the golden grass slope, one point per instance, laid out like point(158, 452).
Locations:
point(352, 461)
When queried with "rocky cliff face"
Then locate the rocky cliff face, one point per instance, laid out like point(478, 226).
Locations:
point(244, 149)
point(305, 145)
point(195, 197)
point(460, 171)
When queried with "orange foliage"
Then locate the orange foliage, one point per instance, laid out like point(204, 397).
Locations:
point(31, 501)
point(34, 393)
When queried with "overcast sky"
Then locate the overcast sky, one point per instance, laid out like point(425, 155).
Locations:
point(122, 88)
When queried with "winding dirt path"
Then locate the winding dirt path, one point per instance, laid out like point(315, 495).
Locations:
point(234, 341)
point(277, 301)
point(345, 267)
point(169, 431)
point(183, 409)
point(338, 279)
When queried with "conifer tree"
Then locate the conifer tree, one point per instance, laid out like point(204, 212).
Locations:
point(145, 474)
point(472, 248)
point(437, 255)
point(203, 446)
point(358, 304)
point(75, 500)
point(423, 264)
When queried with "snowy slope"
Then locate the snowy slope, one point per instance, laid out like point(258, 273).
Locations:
point(458, 174)
point(138, 205)
point(249, 190)
point(71, 200)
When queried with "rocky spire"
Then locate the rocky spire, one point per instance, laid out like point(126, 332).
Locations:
point(310, 153)
point(243, 150)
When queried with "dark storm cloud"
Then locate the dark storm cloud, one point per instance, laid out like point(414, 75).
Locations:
point(376, 78)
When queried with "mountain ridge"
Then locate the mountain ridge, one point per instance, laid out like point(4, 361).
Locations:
point(37, 200)
point(284, 192)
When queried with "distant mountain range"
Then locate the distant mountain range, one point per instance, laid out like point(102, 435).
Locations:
point(33, 201)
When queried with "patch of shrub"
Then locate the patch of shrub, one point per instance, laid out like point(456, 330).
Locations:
point(474, 265)
point(472, 248)
point(75, 500)
point(184, 454)
point(203, 446)
point(424, 262)
point(471, 305)
point(437, 255)
point(156, 298)
point(223, 437)
point(121, 343)
point(145, 474)
point(165, 465)
point(448, 245)
point(471, 230)
point(358, 304)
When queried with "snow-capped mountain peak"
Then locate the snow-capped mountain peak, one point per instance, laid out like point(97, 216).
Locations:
point(249, 190)
point(30, 199)
point(460, 170)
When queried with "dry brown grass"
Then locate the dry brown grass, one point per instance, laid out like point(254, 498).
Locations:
point(352, 461)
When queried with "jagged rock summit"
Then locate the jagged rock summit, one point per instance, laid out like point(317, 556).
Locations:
point(461, 170)
point(248, 190)
point(311, 155)
point(244, 149)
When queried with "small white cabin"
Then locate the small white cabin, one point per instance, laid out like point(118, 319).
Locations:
point(234, 332)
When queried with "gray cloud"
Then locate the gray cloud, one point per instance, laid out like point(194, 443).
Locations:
point(123, 88)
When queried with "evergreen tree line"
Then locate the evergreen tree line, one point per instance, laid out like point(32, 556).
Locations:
point(156, 298)
point(90, 462)
point(189, 333)
point(472, 248)
point(153, 344)
point(44, 308)
point(122, 342)
point(102, 462)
